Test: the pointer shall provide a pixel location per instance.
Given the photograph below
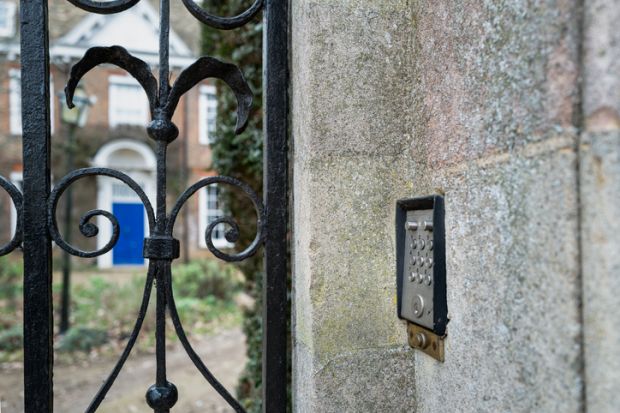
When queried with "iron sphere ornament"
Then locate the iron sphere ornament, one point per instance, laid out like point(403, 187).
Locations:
point(162, 397)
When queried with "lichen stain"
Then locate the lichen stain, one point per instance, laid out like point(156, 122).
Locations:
point(603, 119)
point(597, 164)
point(562, 76)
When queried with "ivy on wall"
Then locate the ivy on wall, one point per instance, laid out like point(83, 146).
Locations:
point(241, 156)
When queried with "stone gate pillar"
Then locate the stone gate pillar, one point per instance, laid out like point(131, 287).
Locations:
point(483, 103)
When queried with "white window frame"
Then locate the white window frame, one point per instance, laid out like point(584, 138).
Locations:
point(52, 105)
point(8, 30)
point(207, 111)
point(17, 178)
point(15, 102)
point(207, 215)
point(113, 101)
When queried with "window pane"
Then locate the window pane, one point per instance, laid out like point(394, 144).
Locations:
point(210, 211)
point(207, 115)
point(7, 19)
point(15, 102)
point(128, 103)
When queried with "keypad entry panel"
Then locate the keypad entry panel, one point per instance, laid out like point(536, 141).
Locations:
point(418, 286)
point(421, 276)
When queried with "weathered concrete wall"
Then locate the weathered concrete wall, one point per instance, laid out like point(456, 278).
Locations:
point(600, 198)
point(351, 122)
point(479, 101)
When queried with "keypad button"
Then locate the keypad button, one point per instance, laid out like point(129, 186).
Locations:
point(418, 306)
point(411, 225)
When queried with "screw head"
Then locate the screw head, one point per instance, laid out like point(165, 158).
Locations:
point(420, 340)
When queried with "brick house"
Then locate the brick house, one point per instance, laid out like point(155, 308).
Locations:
point(114, 134)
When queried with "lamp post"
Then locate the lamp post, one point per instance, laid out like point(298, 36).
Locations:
point(72, 119)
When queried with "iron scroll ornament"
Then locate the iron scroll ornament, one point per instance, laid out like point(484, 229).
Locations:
point(217, 22)
point(160, 247)
point(16, 198)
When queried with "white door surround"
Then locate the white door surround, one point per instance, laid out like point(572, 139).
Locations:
point(137, 160)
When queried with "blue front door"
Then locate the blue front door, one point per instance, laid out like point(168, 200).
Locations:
point(128, 249)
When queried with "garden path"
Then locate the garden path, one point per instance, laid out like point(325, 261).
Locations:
point(224, 354)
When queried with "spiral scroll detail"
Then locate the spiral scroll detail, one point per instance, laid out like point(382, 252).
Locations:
point(104, 7)
point(223, 23)
point(232, 235)
point(17, 199)
point(88, 228)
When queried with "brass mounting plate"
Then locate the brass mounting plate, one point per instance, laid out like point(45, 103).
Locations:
point(425, 340)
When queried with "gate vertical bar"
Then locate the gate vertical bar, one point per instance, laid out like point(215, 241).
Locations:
point(38, 353)
point(275, 84)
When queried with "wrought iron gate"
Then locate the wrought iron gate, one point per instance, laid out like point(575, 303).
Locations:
point(37, 227)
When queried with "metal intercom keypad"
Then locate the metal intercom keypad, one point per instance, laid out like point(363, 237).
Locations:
point(421, 270)
point(417, 304)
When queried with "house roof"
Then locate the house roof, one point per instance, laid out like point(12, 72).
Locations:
point(72, 31)
point(136, 29)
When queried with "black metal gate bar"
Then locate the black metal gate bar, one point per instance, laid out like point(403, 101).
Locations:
point(38, 353)
point(275, 184)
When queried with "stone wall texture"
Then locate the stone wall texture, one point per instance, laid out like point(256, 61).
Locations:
point(599, 156)
point(508, 108)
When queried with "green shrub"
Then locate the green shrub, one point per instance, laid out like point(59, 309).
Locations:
point(203, 295)
point(11, 339)
point(110, 306)
point(104, 311)
point(206, 278)
point(82, 339)
point(11, 280)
